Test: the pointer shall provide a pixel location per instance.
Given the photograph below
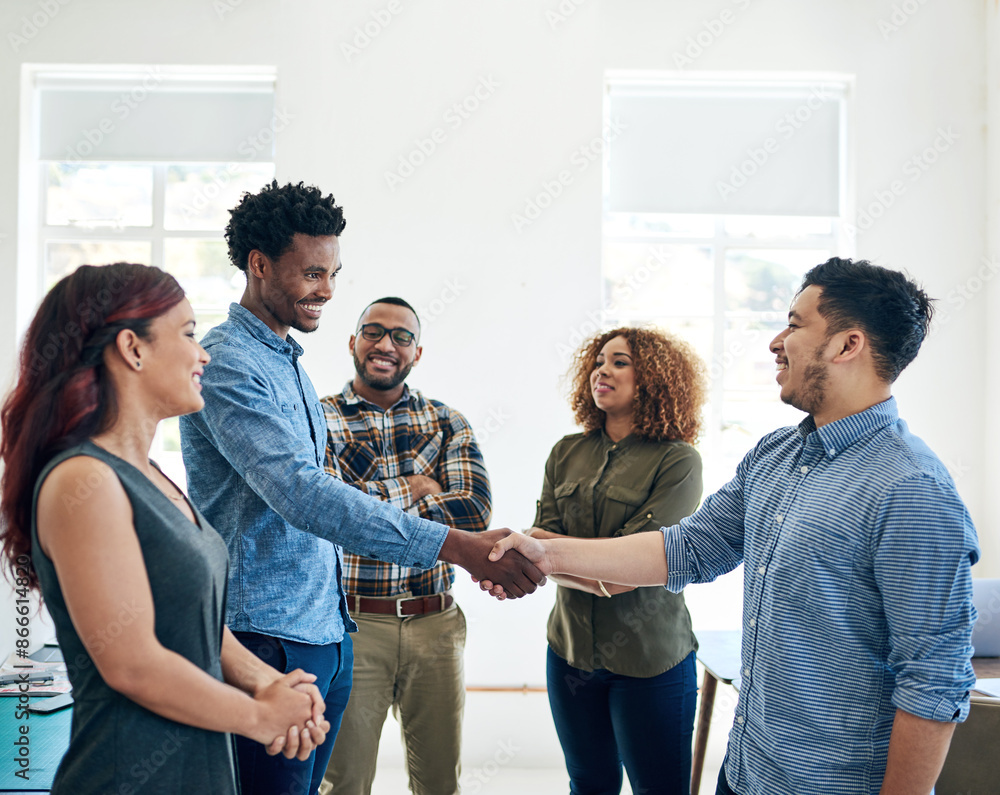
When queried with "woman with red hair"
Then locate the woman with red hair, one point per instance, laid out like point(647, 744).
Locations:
point(621, 660)
point(132, 575)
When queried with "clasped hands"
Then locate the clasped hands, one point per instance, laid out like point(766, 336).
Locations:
point(290, 715)
point(519, 550)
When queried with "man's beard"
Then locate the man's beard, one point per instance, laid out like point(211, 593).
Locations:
point(811, 394)
point(383, 383)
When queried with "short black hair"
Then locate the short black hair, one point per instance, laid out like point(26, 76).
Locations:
point(892, 311)
point(267, 220)
point(391, 299)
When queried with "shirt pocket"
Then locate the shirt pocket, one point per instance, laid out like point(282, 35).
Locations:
point(571, 512)
point(358, 461)
point(621, 504)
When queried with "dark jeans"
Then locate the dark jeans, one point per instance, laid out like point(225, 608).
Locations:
point(333, 665)
point(604, 720)
point(723, 788)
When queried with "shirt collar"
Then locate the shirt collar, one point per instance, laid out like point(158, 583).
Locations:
point(350, 396)
point(838, 436)
point(259, 330)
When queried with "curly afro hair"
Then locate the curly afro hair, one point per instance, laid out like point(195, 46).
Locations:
point(266, 221)
point(670, 385)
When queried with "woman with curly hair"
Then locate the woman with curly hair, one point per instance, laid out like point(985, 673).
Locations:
point(621, 660)
point(132, 574)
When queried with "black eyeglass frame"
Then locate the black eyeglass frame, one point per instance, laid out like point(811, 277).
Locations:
point(394, 334)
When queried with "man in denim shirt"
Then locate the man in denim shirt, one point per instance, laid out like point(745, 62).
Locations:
point(857, 595)
point(254, 458)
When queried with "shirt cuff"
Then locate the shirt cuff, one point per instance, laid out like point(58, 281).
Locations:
point(676, 553)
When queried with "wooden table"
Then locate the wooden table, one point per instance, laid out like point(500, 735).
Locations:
point(719, 653)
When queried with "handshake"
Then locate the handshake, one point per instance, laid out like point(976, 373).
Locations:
point(508, 565)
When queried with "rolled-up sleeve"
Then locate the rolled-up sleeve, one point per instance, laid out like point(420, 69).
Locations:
point(925, 545)
point(244, 423)
point(709, 543)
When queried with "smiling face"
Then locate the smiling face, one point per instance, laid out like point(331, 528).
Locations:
point(173, 362)
point(799, 350)
point(612, 381)
point(294, 288)
point(384, 365)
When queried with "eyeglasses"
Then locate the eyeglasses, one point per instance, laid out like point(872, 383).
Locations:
point(373, 332)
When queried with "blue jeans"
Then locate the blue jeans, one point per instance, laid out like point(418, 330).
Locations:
point(604, 720)
point(333, 665)
point(723, 786)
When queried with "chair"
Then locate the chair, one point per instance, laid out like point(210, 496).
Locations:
point(972, 766)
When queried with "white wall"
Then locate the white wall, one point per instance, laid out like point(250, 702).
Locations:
point(493, 350)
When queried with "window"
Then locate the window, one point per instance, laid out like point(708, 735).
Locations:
point(719, 194)
point(142, 165)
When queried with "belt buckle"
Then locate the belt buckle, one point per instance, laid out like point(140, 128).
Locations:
point(399, 608)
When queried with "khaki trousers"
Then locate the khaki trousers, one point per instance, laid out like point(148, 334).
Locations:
point(415, 666)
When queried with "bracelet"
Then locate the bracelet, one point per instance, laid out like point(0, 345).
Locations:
point(603, 589)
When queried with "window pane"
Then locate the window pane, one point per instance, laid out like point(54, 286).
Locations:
point(746, 362)
point(99, 195)
point(764, 226)
point(65, 256)
point(657, 280)
point(200, 196)
point(764, 280)
point(628, 224)
point(202, 267)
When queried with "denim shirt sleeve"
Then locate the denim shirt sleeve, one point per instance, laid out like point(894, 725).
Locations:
point(709, 543)
point(243, 422)
point(922, 561)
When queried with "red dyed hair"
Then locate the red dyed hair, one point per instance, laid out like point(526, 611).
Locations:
point(62, 395)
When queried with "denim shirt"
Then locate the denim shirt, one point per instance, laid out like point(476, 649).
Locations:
point(254, 458)
point(857, 598)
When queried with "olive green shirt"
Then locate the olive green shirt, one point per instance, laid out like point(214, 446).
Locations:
point(596, 488)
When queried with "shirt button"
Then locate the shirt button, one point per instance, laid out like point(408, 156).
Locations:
point(614, 447)
point(753, 622)
point(739, 719)
point(778, 518)
point(804, 470)
point(649, 516)
point(746, 672)
point(831, 451)
point(762, 569)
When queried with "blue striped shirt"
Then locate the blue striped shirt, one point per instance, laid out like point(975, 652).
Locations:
point(857, 598)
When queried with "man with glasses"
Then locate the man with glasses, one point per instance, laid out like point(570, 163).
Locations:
point(391, 442)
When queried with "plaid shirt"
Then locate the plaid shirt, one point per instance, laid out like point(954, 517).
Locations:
point(375, 450)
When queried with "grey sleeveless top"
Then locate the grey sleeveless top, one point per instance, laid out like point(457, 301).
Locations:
point(117, 746)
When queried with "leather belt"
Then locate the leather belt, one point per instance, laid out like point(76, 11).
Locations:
point(417, 606)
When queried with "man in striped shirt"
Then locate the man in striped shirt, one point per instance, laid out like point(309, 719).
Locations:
point(857, 597)
point(391, 442)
